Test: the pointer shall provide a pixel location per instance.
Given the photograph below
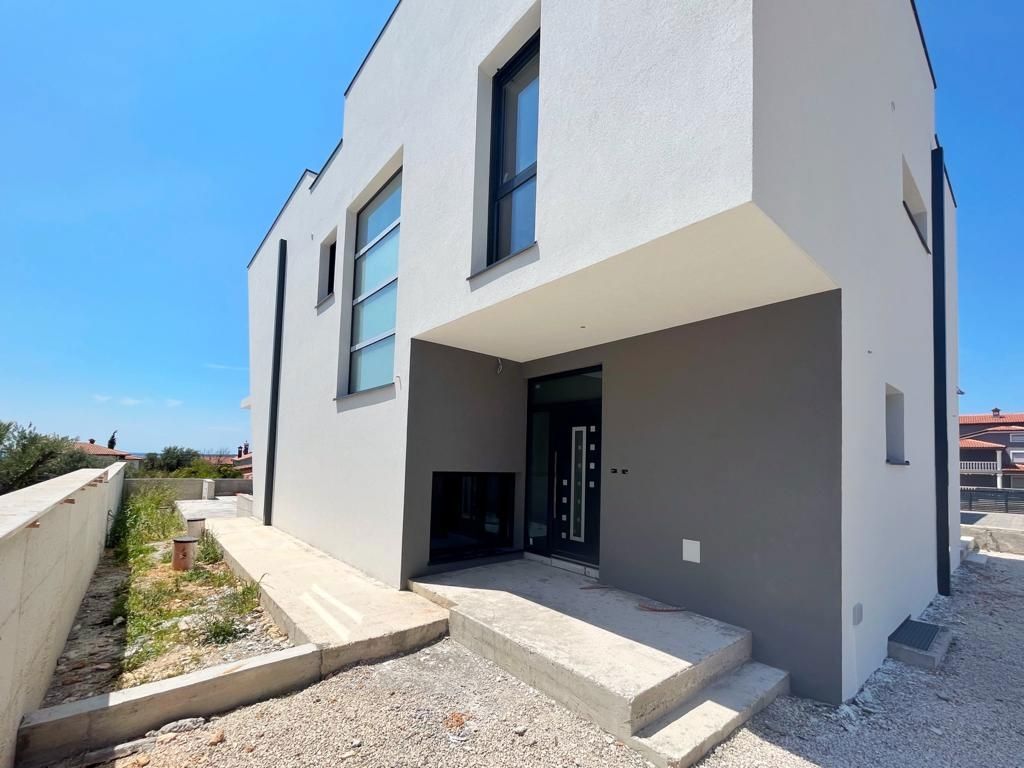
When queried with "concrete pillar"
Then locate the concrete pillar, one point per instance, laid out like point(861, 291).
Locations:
point(196, 526)
point(209, 491)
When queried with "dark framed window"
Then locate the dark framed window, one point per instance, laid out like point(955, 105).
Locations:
point(514, 153)
point(375, 290)
point(332, 260)
point(471, 514)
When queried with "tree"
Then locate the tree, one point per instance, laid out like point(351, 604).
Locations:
point(112, 442)
point(28, 457)
point(175, 457)
point(206, 469)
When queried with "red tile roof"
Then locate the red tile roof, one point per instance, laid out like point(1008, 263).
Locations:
point(966, 442)
point(1004, 428)
point(988, 418)
point(94, 449)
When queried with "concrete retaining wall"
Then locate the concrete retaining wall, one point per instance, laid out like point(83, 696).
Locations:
point(243, 505)
point(99, 721)
point(186, 488)
point(230, 486)
point(183, 487)
point(51, 537)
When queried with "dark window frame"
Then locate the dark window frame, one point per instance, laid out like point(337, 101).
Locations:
point(360, 252)
point(332, 262)
point(499, 191)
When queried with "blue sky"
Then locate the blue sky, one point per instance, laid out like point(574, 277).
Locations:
point(147, 147)
point(978, 59)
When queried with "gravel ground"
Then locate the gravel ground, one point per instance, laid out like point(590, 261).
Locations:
point(969, 712)
point(442, 706)
point(446, 707)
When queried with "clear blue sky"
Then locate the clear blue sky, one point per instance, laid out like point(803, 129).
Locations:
point(146, 147)
point(144, 150)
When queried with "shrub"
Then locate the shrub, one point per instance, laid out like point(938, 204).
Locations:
point(209, 550)
point(146, 516)
point(28, 457)
point(243, 599)
point(218, 630)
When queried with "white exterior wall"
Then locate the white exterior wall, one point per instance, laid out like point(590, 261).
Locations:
point(842, 93)
point(620, 163)
point(694, 159)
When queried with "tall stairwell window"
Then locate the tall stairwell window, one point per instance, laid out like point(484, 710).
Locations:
point(514, 153)
point(375, 290)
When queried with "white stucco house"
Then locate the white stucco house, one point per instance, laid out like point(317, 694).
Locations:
point(665, 290)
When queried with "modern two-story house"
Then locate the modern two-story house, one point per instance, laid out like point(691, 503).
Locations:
point(569, 257)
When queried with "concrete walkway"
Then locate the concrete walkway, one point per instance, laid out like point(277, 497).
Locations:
point(317, 599)
point(222, 506)
point(994, 531)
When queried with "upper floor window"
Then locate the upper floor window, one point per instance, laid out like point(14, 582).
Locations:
point(1017, 438)
point(375, 290)
point(328, 267)
point(914, 205)
point(514, 153)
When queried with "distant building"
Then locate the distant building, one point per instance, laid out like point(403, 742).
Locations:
point(243, 461)
point(101, 456)
point(992, 450)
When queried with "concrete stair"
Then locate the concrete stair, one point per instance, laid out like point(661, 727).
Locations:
point(672, 684)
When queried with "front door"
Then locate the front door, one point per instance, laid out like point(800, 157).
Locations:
point(564, 495)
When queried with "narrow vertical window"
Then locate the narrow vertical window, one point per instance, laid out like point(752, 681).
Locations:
point(332, 258)
point(514, 153)
point(894, 435)
point(375, 290)
point(328, 259)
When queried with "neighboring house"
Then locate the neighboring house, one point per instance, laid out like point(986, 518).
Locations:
point(992, 450)
point(243, 461)
point(569, 257)
point(101, 456)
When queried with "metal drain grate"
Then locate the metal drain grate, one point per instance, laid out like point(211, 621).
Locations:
point(915, 634)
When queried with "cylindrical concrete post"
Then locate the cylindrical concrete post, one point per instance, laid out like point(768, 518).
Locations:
point(196, 526)
point(184, 553)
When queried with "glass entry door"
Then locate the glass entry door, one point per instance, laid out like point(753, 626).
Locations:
point(564, 477)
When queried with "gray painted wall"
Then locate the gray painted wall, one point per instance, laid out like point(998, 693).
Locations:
point(677, 406)
point(463, 417)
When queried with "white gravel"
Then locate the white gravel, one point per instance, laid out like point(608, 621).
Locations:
point(969, 712)
point(446, 707)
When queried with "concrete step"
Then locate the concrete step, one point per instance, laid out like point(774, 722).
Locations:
point(685, 735)
point(618, 659)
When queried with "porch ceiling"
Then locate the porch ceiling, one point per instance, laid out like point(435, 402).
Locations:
point(734, 261)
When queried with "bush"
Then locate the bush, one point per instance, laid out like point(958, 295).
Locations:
point(209, 550)
point(28, 457)
point(146, 516)
point(242, 600)
point(221, 629)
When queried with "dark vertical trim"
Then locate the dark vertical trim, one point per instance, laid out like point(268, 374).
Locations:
point(940, 363)
point(275, 386)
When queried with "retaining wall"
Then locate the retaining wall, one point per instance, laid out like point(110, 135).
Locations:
point(186, 488)
point(51, 537)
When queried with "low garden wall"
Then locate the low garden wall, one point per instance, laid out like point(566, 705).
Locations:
point(187, 488)
point(51, 537)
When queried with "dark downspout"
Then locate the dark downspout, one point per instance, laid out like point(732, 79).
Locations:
point(940, 362)
point(275, 386)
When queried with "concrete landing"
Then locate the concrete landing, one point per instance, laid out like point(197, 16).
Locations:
point(317, 599)
point(601, 652)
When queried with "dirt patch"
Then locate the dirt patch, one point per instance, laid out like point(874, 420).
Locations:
point(147, 622)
